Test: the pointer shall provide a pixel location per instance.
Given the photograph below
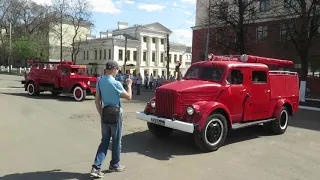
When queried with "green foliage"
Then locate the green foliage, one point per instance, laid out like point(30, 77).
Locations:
point(25, 48)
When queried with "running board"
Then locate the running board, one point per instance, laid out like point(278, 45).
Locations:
point(251, 123)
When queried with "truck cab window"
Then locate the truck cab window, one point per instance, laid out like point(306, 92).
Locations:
point(235, 77)
point(64, 71)
point(259, 77)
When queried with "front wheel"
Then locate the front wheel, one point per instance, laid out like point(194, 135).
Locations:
point(213, 134)
point(32, 89)
point(159, 131)
point(79, 94)
point(279, 126)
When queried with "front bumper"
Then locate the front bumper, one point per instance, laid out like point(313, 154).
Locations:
point(173, 124)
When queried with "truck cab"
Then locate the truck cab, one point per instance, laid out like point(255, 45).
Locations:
point(222, 94)
point(59, 78)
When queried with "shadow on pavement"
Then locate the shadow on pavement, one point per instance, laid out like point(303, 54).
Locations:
point(306, 119)
point(180, 144)
point(47, 96)
point(47, 175)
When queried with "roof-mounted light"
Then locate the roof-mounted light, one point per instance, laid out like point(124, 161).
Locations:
point(244, 58)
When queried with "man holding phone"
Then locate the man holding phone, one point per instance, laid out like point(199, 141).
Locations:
point(108, 94)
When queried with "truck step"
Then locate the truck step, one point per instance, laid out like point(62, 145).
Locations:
point(251, 123)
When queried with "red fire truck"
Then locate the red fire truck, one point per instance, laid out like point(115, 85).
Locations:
point(59, 78)
point(222, 94)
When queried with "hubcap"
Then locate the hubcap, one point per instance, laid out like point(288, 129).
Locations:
point(78, 93)
point(30, 89)
point(214, 131)
point(283, 119)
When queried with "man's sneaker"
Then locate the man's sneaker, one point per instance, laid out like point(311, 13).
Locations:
point(116, 169)
point(96, 173)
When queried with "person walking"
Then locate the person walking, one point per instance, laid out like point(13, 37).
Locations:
point(108, 94)
point(139, 82)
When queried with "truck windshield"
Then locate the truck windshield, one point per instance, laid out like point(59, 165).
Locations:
point(211, 73)
point(78, 71)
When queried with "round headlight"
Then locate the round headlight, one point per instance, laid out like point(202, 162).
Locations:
point(153, 103)
point(190, 110)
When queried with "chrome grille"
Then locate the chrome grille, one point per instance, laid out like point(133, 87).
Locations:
point(165, 104)
point(93, 84)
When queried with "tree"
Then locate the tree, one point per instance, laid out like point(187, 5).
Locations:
point(300, 19)
point(80, 17)
point(25, 48)
point(75, 13)
point(230, 19)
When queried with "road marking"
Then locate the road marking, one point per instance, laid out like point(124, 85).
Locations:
point(10, 88)
point(309, 108)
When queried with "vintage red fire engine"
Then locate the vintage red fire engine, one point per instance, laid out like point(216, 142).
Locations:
point(223, 94)
point(59, 78)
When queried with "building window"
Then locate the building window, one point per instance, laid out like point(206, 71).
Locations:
point(175, 58)
point(180, 58)
point(290, 3)
point(154, 73)
point(109, 54)
point(153, 40)
point(145, 56)
point(223, 9)
point(120, 54)
point(162, 41)
point(104, 54)
point(262, 33)
point(162, 56)
point(264, 5)
point(285, 32)
point(163, 73)
point(95, 54)
point(87, 55)
point(128, 55)
point(153, 56)
point(84, 55)
point(100, 54)
point(170, 58)
point(144, 39)
point(134, 55)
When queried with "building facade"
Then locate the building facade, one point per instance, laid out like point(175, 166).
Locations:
point(265, 35)
point(146, 50)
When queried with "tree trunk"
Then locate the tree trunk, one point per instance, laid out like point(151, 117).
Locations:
point(303, 75)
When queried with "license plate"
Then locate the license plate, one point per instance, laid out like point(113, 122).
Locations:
point(158, 121)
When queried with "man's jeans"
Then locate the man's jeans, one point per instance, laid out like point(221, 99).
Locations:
point(108, 131)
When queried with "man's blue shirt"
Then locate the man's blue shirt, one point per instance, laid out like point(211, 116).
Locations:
point(110, 90)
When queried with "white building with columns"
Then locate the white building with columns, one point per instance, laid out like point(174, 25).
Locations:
point(146, 50)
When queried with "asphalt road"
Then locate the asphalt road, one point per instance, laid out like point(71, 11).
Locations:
point(55, 138)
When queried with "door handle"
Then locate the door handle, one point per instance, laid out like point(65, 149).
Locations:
point(249, 95)
point(267, 91)
point(243, 91)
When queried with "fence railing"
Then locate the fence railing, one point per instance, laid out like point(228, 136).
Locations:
point(19, 70)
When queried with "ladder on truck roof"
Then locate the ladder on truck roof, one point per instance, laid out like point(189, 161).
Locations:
point(251, 59)
point(48, 62)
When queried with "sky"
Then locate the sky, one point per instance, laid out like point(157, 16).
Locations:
point(177, 15)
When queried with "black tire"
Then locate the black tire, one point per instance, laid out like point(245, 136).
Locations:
point(159, 131)
point(217, 125)
point(33, 89)
point(279, 126)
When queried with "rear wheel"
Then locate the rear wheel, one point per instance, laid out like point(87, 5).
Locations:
point(79, 94)
point(32, 89)
point(213, 134)
point(159, 131)
point(279, 126)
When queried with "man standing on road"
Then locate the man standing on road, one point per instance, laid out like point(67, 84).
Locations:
point(109, 92)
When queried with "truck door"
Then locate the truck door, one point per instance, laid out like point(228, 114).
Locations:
point(260, 94)
point(64, 80)
point(237, 89)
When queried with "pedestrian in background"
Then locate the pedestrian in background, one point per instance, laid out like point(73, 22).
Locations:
point(109, 92)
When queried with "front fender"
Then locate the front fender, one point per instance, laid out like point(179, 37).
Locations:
point(205, 108)
point(280, 103)
point(83, 85)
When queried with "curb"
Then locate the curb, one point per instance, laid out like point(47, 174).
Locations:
point(309, 108)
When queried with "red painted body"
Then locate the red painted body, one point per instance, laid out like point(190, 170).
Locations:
point(239, 100)
point(59, 77)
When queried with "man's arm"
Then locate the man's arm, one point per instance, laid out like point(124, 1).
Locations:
point(98, 101)
point(123, 93)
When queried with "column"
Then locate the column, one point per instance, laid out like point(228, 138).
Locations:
point(149, 52)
